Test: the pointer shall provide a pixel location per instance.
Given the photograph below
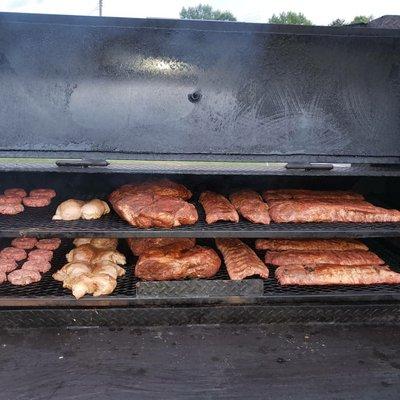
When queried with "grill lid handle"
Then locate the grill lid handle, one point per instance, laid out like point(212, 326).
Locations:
point(83, 163)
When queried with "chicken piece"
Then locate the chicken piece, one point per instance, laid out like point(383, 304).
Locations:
point(108, 267)
point(99, 243)
point(164, 265)
point(71, 270)
point(160, 203)
point(250, 205)
point(3, 277)
point(80, 285)
point(80, 241)
point(69, 210)
point(105, 268)
point(345, 257)
point(217, 208)
point(104, 284)
point(94, 209)
point(104, 243)
point(336, 275)
point(309, 244)
point(240, 260)
point(84, 253)
point(143, 245)
point(109, 255)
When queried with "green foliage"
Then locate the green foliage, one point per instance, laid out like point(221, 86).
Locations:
point(205, 11)
point(338, 22)
point(291, 18)
point(362, 19)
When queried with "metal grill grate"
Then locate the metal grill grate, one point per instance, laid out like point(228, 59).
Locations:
point(38, 222)
point(49, 293)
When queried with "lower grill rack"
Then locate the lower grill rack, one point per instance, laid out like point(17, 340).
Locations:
point(130, 292)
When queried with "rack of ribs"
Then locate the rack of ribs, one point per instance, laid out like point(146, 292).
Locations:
point(336, 275)
point(251, 206)
point(309, 244)
point(217, 208)
point(328, 210)
point(240, 259)
point(301, 194)
point(346, 257)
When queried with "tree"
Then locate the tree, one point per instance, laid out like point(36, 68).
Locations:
point(205, 11)
point(362, 19)
point(338, 22)
point(291, 18)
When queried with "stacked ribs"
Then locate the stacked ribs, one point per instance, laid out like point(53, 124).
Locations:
point(325, 262)
point(297, 205)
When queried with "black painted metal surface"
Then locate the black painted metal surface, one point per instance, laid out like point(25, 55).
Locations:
point(79, 85)
point(185, 363)
point(168, 315)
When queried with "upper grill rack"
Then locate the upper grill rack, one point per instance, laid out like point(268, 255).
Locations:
point(49, 293)
point(38, 223)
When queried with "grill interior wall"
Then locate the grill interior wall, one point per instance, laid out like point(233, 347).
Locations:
point(385, 189)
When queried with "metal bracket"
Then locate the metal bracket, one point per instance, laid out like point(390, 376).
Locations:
point(83, 163)
point(309, 166)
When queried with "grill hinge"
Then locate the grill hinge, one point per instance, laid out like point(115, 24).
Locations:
point(309, 166)
point(82, 163)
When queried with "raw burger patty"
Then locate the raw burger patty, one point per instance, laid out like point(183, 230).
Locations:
point(36, 265)
point(3, 277)
point(40, 255)
point(36, 201)
point(10, 199)
point(48, 244)
point(9, 209)
point(7, 265)
point(50, 193)
point(23, 277)
point(16, 192)
point(24, 243)
point(13, 253)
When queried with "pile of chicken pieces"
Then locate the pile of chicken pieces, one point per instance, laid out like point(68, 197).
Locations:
point(93, 267)
point(71, 210)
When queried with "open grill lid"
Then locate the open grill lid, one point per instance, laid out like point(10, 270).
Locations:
point(133, 88)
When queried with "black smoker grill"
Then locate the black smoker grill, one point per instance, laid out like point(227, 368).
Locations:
point(212, 105)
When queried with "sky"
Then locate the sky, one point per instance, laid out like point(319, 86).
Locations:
point(320, 12)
